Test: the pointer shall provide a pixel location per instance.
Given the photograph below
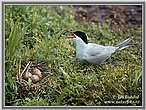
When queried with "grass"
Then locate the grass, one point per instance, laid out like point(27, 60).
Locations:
point(36, 33)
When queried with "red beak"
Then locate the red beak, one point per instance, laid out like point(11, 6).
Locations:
point(71, 36)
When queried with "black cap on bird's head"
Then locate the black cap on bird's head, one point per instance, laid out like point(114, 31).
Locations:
point(82, 35)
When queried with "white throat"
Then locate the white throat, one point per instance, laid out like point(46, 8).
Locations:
point(80, 45)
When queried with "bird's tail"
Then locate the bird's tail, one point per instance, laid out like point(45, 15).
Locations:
point(123, 44)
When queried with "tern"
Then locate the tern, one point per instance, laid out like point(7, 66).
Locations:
point(94, 53)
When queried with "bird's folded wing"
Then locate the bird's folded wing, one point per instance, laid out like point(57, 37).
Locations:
point(94, 49)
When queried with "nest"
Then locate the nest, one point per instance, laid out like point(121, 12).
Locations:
point(32, 79)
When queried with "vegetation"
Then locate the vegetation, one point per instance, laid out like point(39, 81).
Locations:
point(38, 34)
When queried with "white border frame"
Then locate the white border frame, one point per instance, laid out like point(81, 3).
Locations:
point(74, 3)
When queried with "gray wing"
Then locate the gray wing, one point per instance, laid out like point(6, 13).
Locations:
point(94, 49)
point(97, 53)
